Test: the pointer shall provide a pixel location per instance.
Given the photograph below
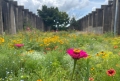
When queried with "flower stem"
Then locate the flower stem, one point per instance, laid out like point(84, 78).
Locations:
point(75, 61)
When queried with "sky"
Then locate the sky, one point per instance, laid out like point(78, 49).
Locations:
point(74, 8)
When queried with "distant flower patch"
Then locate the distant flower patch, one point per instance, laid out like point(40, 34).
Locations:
point(19, 45)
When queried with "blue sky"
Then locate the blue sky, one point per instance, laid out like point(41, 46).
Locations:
point(76, 8)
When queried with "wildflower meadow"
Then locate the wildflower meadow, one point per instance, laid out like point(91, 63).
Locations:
point(59, 56)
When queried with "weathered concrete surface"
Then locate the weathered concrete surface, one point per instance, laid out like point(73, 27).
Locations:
point(12, 29)
point(90, 22)
point(118, 26)
point(1, 21)
point(107, 16)
point(20, 18)
point(16, 14)
point(5, 16)
point(94, 22)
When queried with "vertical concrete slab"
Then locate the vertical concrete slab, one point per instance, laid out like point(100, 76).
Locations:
point(5, 15)
point(107, 16)
point(118, 28)
point(34, 20)
point(1, 19)
point(41, 24)
point(37, 21)
point(110, 18)
point(113, 14)
point(99, 17)
point(81, 23)
point(30, 19)
point(20, 18)
point(12, 29)
point(86, 23)
point(94, 18)
point(99, 24)
point(26, 18)
point(90, 27)
point(16, 14)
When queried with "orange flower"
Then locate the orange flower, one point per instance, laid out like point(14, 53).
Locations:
point(48, 49)
point(39, 80)
point(111, 72)
point(115, 46)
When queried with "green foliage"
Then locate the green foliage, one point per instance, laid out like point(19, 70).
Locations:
point(74, 23)
point(33, 61)
point(53, 18)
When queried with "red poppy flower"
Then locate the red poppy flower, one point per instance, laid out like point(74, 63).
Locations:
point(77, 53)
point(111, 72)
point(19, 45)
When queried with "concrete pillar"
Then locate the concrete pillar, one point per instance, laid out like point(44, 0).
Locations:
point(16, 14)
point(34, 20)
point(99, 17)
point(110, 17)
point(37, 23)
point(12, 29)
point(107, 17)
point(85, 23)
point(90, 28)
point(118, 26)
point(82, 24)
point(20, 18)
point(26, 18)
point(1, 19)
point(90, 19)
point(86, 18)
point(5, 16)
point(93, 19)
point(41, 24)
point(30, 19)
point(113, 15)
point(79, 25)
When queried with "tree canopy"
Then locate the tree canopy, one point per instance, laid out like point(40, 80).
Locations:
point(53, 18)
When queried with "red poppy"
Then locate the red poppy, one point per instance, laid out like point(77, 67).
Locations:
point(111, 72)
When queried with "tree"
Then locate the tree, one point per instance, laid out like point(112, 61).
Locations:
point(73, 23)
point(53, 18)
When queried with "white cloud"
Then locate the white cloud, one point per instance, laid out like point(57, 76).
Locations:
point(94, 8)
point(72, 7)
point(63, 5)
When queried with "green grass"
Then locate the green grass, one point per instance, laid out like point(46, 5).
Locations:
point(37, 60)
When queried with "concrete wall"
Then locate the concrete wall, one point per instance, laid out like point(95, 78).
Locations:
point(101, 20)
point(14, 18)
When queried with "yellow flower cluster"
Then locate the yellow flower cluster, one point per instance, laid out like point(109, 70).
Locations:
point(2, 40)
point(52, 40)
point(116, 41)
point(103, 54)
point(12, 42)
